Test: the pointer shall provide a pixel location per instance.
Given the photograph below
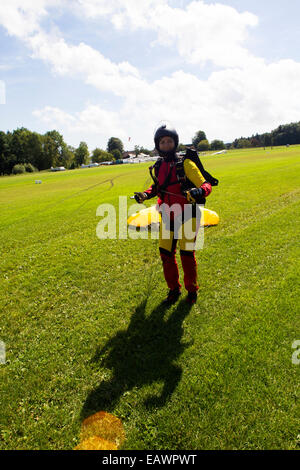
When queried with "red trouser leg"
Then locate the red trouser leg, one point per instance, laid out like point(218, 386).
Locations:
point(189, 265)
point(170, 268)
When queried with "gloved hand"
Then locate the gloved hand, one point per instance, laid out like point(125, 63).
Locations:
point(194, 195)
point(140, 197)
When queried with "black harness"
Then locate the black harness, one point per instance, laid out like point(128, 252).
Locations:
point(185, 183)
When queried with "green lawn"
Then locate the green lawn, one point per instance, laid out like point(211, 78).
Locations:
point(85, 330)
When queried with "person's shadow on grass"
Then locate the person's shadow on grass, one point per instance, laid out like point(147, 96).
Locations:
point(140, 355)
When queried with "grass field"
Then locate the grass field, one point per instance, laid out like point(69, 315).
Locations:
point(85, 330)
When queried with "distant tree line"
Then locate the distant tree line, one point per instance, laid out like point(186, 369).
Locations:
point(22, 150)
point(287, 134)
point(25, 151)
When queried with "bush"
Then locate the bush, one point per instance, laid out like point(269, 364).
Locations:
point(30, 168)
point(99, 156)
point(18, 169)
point(203, 145)
point(217, 145)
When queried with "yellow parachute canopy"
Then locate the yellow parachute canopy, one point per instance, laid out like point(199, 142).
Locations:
point(151, 216)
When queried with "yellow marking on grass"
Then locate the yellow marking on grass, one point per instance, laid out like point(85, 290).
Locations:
point(101, 431)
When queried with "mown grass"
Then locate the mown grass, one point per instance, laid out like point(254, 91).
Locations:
point(85, 330)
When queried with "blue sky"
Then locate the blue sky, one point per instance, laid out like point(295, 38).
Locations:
point(94, 69)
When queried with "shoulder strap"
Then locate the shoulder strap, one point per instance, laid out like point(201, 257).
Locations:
point(155, 167)
point(180, 170)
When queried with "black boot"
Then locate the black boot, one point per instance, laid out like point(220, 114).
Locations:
point(173, 296)
point(191, 298)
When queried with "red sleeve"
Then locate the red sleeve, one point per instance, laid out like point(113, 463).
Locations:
point(152, 191)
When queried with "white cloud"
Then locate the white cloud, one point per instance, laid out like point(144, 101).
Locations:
point(2, 92)
point(85, 62)
point(52, 115)
point(229, 104)
point(122, 13)
point(91, 121)
point(204, 33)
point(200, 33)
point(21, 18)
point(5, 67)
point(234, 101)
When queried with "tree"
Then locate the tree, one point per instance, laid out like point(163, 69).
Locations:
point(145, 151)
point(67, 155)
point(137, 150)
point(4, 154)
point(217, 145)
point(283, 135)
point(53, 148)
point(82, 154)
point(35, 149)
point(19, 145)
point(99, 156)
point(200, 135)
point(181, 148)
point(203, 145)
point(255, 142)
point(116, 154)
point(49, 153)
point(115, 144)
point(243, 143)
point(267, 140)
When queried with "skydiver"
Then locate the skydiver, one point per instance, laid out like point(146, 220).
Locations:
point(177, 182)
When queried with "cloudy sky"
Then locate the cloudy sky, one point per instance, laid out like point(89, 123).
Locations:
point(93, 69)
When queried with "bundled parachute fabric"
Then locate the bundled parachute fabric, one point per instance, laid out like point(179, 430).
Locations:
point(193, 155)
point(150, 218)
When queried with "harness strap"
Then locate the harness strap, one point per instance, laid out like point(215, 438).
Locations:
point(166, 183)
point(161, 188)
point(156, 167)
point(182, 179)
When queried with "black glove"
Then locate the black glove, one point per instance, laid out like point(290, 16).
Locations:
point(194, 195)
point(140, 197)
